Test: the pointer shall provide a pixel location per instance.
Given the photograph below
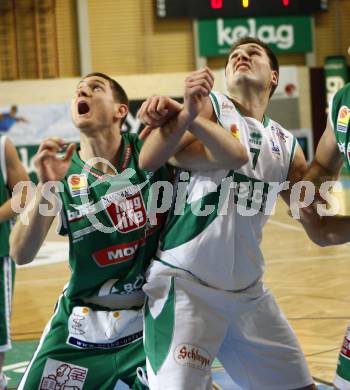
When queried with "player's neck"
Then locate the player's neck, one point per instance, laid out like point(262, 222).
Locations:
point(252, 104)
point(103, 144)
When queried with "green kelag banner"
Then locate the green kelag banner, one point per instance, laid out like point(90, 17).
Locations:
point(283, 35)
point(336, 74)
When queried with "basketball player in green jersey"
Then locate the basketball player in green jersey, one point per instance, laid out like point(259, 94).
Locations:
point(333, 152)
point(95, 335)
point(205, 290)
point(11, 173)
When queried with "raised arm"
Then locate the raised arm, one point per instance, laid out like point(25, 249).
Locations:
point(190, 132)
point(214, 148)
point(166, 127)
point(324, 230)
point(328, 160)
point(27, 238)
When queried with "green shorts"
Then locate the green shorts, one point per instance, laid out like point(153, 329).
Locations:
point(342, 377)
point(7, 277)
point(86, 349)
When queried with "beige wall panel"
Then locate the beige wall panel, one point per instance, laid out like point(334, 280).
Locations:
point(333, 30)
point(170, 42)
point(292, 59)
point(127, 38)
point(60, 90)
point(116, 36)
point(304, 97)
point(67, 38)
point(216, 62)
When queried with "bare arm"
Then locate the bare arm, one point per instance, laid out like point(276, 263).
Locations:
point(15, 174)
point(165, 141)
point(27, 238)
point(215, 148)
point(205, 146)
point(22, 119)
point(328, 160)
point(324, 230)
point(296, 172)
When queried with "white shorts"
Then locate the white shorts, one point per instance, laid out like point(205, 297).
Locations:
point(187, 324)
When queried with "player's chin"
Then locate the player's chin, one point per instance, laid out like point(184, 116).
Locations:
point(81, 123)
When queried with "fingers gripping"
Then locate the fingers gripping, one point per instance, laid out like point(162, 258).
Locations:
point(199, 82)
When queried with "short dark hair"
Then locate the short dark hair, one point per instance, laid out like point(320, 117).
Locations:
point(272, 57)
point(118, 91)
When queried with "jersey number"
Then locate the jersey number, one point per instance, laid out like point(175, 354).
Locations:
point(255, 153)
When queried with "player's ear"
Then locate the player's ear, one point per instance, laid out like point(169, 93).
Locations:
point(121, 111)
point(274, 78)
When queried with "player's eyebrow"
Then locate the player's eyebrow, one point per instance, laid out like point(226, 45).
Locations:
point(92, 80)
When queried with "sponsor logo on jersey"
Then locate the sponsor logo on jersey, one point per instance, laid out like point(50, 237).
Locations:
point(78, 185)
point(126, 209)
point(226, 107)
point(117, 253)
point(255, 138)
point(275, 148)
point(341, 147)
point(281, 135)
point(345, 349)
point(80, 211)
point(343, 119)
point(192, 356)
point(79, 234)
point(234, 131)
point(127, 156)
point(62, 375)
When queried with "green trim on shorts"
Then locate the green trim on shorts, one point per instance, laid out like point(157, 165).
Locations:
point(343, 368)
point(174, 266)
point(156, 258)
point(159, 331)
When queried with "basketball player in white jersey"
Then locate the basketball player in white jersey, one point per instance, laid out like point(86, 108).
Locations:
point(205, 290)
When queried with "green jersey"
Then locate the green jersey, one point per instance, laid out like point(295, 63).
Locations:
point(339, 117)
point(4, 195)
point(111, 237)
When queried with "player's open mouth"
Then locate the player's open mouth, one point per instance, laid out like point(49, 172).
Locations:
point(242, 65)
point(83, 108)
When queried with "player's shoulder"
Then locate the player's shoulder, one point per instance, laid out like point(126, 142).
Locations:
point(133, 140)
point(285, 136)
point(275, 126)
point(339, 105)
point(342, 96)
point(222, 104)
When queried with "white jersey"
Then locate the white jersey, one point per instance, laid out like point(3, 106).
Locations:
point(217, 237)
